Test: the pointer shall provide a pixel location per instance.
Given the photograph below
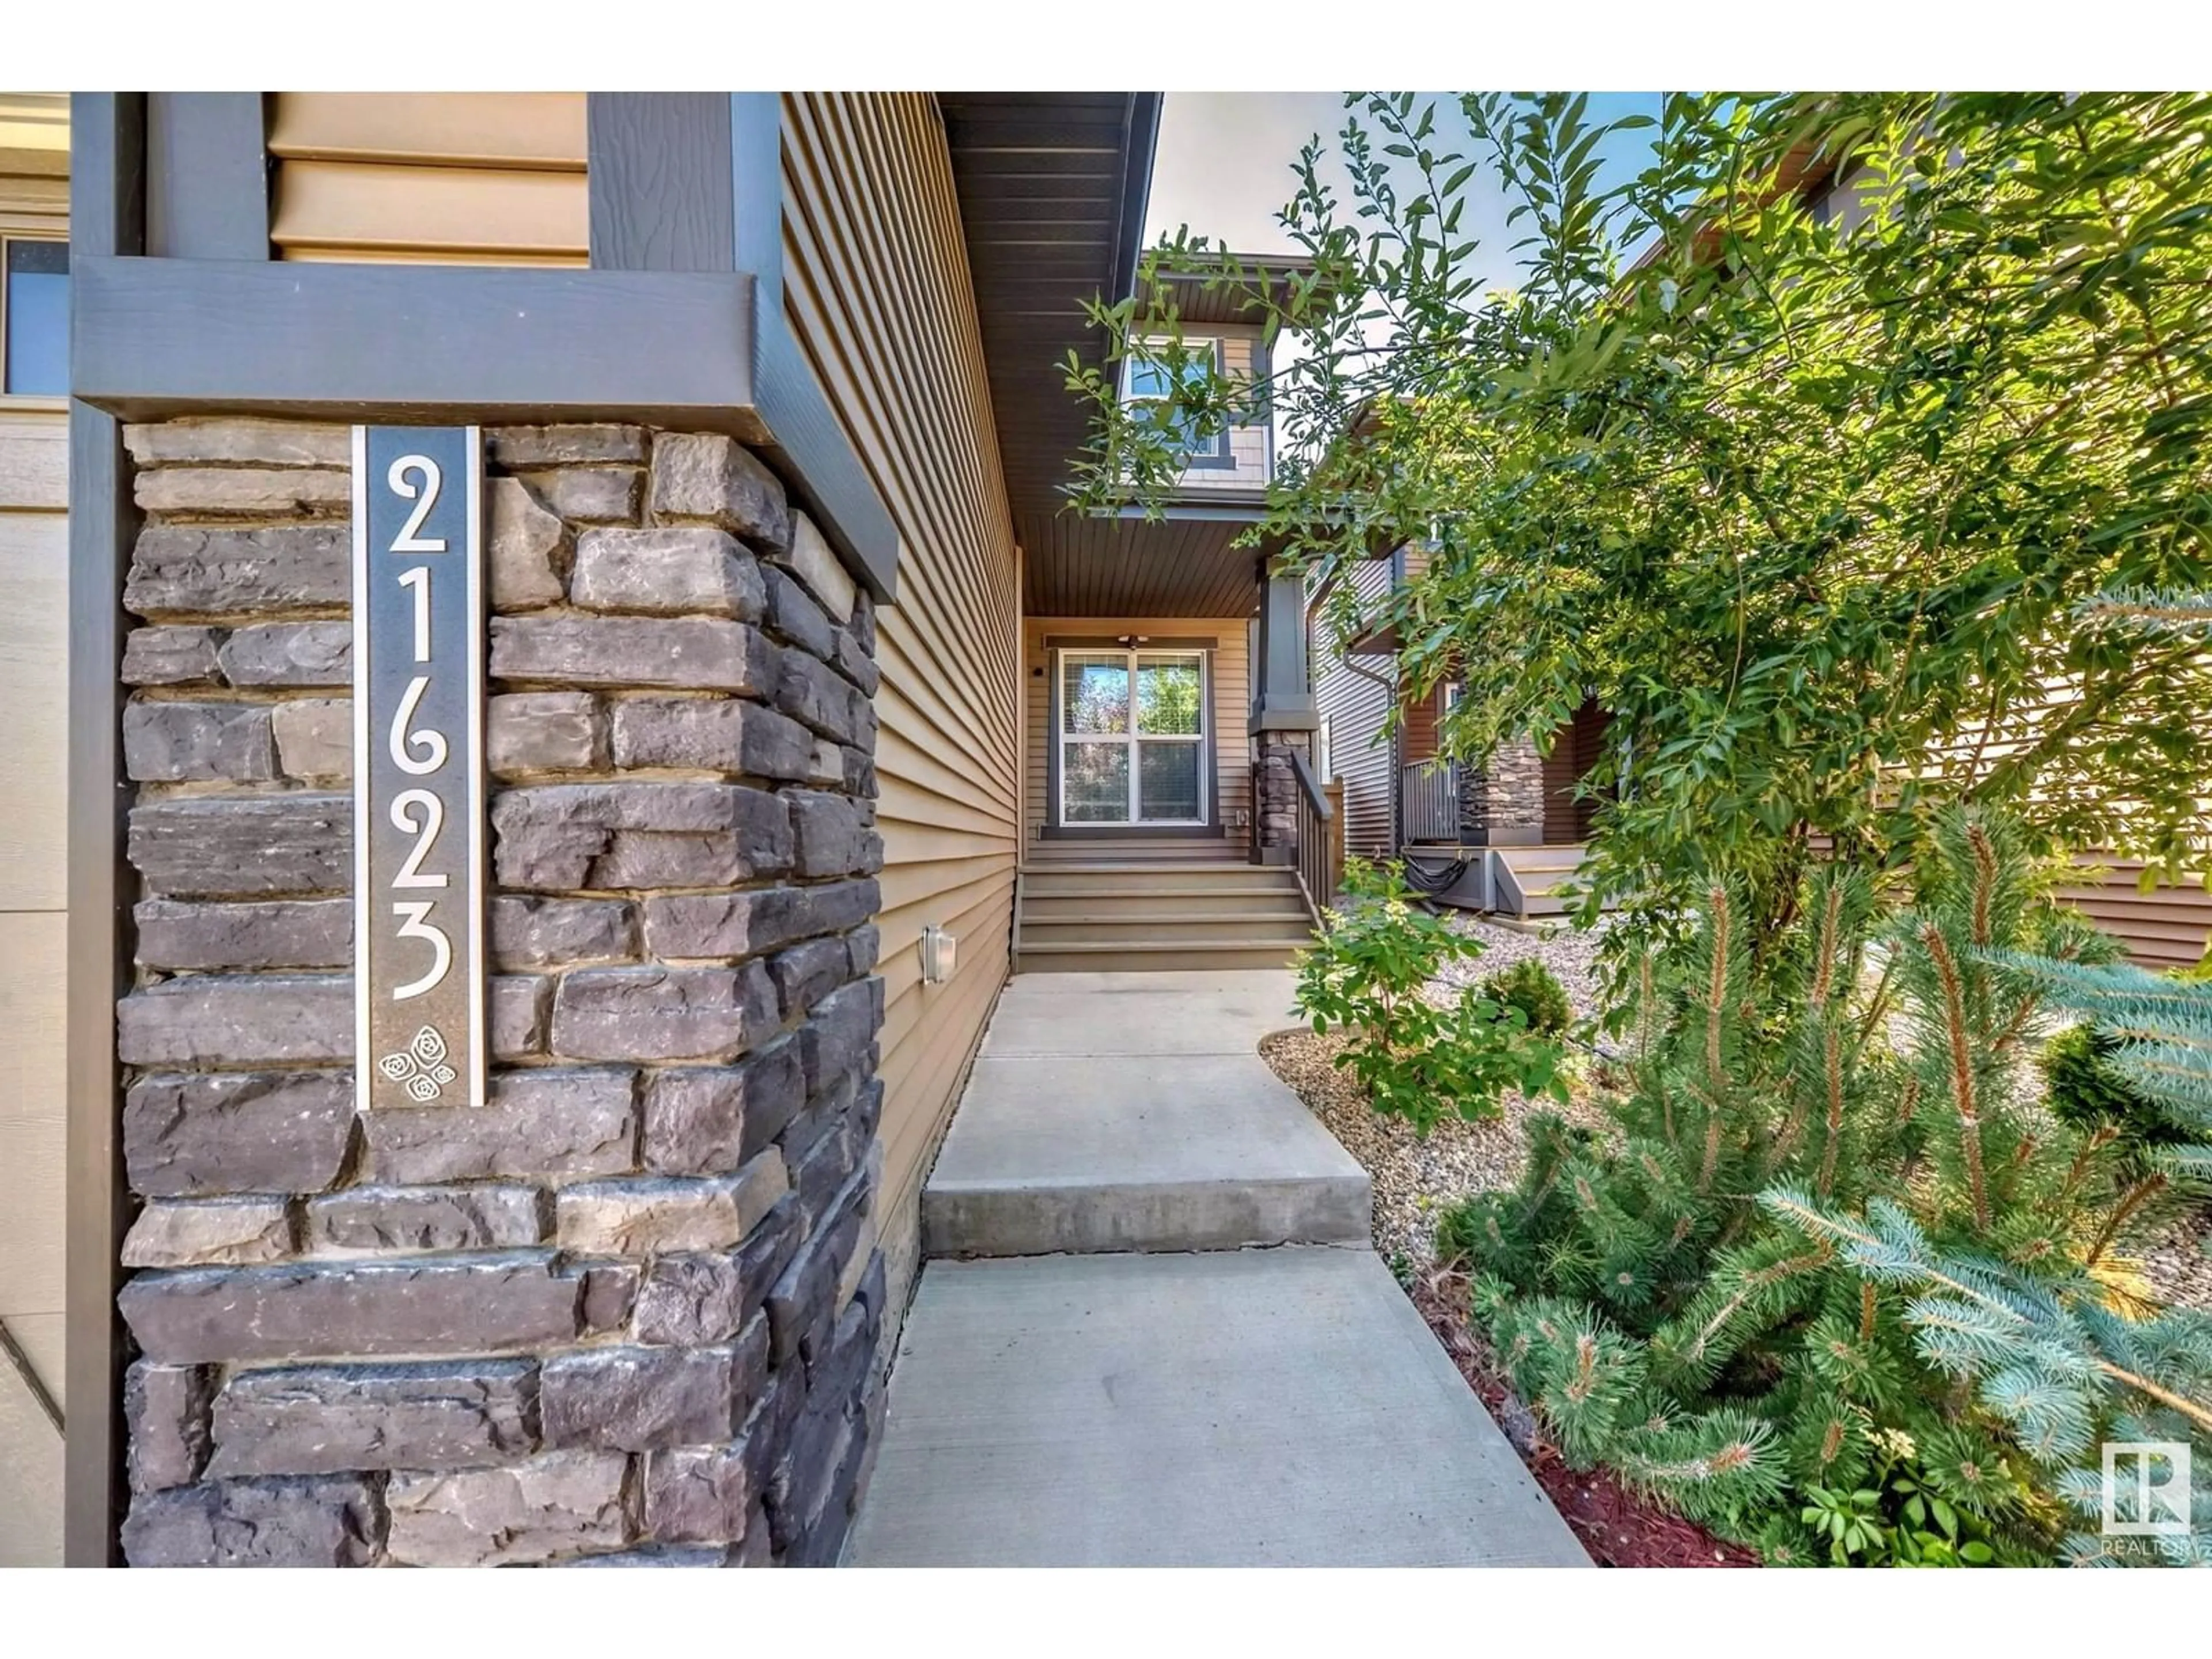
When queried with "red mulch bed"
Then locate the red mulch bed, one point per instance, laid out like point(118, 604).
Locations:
point(1618, 1528)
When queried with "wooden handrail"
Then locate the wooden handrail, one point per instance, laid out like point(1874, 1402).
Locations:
point(1320, 868)
point(1334, 789)
point(1307, 781)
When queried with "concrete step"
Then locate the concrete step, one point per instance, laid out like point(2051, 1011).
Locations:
point(1132, 1111)
point(1243, 1408)
point(1094, 1153)
point(1151, 956)
point(1286, 926)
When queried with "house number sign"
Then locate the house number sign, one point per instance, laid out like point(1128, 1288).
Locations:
point(418, 809)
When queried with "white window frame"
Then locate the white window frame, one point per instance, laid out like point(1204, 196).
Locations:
point(1062, 737)
point(1216, 452)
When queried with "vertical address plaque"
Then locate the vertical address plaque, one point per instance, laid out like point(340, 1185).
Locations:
point(418, 808)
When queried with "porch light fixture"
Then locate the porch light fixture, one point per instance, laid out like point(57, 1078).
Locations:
point(940, 951)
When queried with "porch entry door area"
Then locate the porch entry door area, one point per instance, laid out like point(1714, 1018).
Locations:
point(1131, 727)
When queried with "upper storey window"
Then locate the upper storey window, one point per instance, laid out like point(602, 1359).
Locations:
point(1153, 375)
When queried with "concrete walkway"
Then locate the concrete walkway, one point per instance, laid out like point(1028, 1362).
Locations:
point(1133, 1112)
point(1169, 1342)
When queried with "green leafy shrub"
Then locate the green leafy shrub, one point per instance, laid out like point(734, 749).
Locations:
point(1534, 989)
point(1804, 1245)
point(1903, 1517)
point(1368, 976)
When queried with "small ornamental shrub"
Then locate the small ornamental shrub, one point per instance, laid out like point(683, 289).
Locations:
point(2086, 1091)
point(1418, 1059)
point(1830, 1265)
point(1534, 989)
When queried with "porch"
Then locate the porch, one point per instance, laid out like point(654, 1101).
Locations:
point(1172, 820)
point(1449, 852)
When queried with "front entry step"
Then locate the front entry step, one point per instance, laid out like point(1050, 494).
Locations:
point(1170, 917)
point(1111, 1111)
point(1151, 956)
point(1108, 1152)
point(1245, 1408)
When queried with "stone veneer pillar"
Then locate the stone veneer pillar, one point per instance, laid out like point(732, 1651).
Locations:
point(623, 1312)
point(1502, 804)
point(1275, 797)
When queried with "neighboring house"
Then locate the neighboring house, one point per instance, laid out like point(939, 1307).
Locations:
point(1501, 837)
point(813, 715)
point(33, 650)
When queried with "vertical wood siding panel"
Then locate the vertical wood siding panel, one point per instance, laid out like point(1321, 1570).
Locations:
point(877, 289)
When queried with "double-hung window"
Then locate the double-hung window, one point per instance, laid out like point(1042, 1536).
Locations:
point(1150, 375)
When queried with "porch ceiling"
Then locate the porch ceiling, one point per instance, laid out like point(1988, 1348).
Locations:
point(1052, 190)
point(1183, 566)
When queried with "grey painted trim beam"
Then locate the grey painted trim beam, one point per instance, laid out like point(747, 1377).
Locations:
point(207, 175)
point(679, 322)
point(659, 178)
point(694, 182)
point(1285, 700)
point(1210, 512)
point(107, 197)
point(156, 337)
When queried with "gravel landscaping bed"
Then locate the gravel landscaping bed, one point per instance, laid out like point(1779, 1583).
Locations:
point(1415, 1179)
point(2178, 1263)
point(1570, 956)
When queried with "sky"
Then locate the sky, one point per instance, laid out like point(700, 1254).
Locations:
point(1223, 163)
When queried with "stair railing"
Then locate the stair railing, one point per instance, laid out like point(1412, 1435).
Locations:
point(1320, 857)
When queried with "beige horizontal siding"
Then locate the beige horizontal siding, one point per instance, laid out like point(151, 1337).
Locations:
point(33, 927)
point(2166, 927)
point(1248, 445)
point(430, 178)
point(500, 129)
point(877, 289)
point(1231, 688)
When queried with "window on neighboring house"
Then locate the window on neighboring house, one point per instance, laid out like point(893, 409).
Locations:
point(33, 318)
point(1152, 379)
point(1324, 753)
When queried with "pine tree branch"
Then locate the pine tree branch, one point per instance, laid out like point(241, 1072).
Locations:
point(1818, 1221)
point(2130, 1201)
point(1962, 1068)
point(1833, 1067)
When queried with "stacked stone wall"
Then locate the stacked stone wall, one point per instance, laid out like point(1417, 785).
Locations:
point(621, 1311)
point(1504, 800)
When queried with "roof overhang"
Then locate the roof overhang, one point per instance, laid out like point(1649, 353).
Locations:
point(1052, 189)
point(1240, 291)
